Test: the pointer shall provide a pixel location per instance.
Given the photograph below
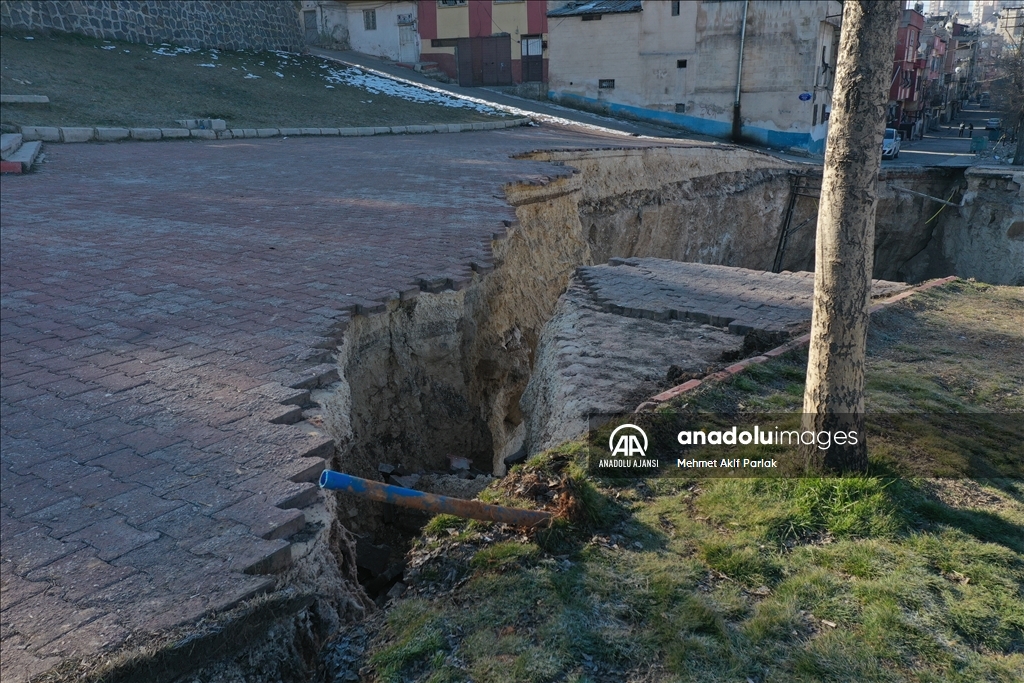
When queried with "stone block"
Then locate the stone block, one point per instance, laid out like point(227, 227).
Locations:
point(111, 134)
point(455, 128)
point(24, 99)
point(44, 133)
point(381, 130)
point(237, 133)
point(440, 127)
point(77, 134)
point(267, 132)
point(477, 126)
point(309, 131)
point(223, 134)
point(202, 134)
point(399, 129)
point(291, 131)
point(348, 132)
point(365, 131)
point(218, 124)
point(329, 131)
point(145, 133)
point(170, 133)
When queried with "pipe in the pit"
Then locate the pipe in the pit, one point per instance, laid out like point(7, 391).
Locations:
point(429, 502)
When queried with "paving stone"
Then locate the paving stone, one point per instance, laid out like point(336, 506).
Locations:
point(77, 575)
point(45, 614)
point(16, 589)
point(244, 553)
point(263, 520)
point(113, 537)
point(31, 547)
point(145, 133)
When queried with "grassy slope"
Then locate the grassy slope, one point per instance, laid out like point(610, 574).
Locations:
point(853, 579)
point(130, 85)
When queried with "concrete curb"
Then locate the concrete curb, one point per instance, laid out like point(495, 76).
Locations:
point(82, 134)
point(797, 343)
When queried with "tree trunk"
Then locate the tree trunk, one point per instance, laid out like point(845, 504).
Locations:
point(844, 251)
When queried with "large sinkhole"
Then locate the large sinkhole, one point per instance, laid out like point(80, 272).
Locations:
point(438, 380)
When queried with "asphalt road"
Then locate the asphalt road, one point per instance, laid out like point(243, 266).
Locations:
point(939, 147)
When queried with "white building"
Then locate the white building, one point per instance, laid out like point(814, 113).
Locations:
point(678, 63)
point(382, 29)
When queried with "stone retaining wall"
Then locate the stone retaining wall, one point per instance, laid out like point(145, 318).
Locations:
point(237, 25)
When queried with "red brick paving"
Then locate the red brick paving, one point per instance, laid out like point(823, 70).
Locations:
point(156, 297)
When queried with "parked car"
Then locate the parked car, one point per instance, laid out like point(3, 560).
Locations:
point(993, 123)
point(985, 100)
point(891, 144)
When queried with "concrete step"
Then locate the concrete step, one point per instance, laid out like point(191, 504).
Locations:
point(9, 144)
point(22, 160)
point(24, 99)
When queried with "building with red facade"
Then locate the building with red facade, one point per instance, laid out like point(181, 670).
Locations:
point(485, 42)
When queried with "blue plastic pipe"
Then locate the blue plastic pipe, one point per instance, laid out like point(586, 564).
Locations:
point(429, 502)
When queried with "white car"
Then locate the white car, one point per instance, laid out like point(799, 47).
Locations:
point(891, 144)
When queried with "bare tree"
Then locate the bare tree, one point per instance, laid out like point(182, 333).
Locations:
point(844, 252)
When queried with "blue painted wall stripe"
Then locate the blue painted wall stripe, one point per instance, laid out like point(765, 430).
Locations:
point(694, 124)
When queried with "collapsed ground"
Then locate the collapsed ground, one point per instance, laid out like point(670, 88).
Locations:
point(871, 578)
point(92, 82)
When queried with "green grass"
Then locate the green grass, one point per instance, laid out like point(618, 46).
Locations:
point(93, 82)
point(857, 578)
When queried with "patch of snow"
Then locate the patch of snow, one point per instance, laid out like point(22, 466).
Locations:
point(251, 76)
point(167, 51)
point(211, 66)
point(279, 74)
point(108, 47)
point(378, 85)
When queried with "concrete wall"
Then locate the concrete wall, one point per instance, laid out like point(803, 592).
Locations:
point(385, 40)
point(782, 60)
point(238, 25)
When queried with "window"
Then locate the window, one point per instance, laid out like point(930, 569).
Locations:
point(608, 83)
point(680, 63)
point(675, 8)
point(591, 17)
point(370, 19)
point(532, 46)
point(680, 108)
point(450, 3)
